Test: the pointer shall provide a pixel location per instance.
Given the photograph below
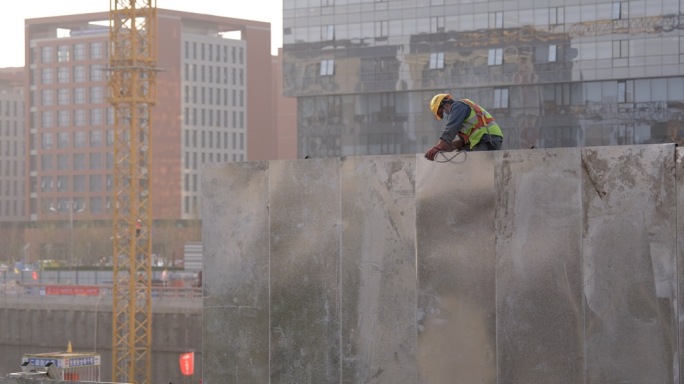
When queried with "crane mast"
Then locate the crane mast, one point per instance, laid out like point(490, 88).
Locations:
point(132, 93)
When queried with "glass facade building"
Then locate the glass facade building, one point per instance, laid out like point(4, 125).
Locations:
point(553, 73)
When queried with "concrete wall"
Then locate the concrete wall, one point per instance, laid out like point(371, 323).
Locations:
point(526, 266)
point(47, 324)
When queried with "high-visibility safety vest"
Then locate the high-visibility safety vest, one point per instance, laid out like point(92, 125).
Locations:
point(477, 124)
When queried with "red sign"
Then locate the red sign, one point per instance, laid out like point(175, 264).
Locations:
point(72, 290)
point(187, 363)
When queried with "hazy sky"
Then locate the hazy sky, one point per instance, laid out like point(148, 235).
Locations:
point(12, 18)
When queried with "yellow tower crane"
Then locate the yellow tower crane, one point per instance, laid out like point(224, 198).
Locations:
point(132, 93)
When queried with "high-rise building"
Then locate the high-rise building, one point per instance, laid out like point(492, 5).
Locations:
point(569, 73)
point(213, 91)
point(213, 73)
point(12, 156)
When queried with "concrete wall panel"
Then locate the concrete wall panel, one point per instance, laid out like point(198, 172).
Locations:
point(539, 272)
point(456, 259)
point(628, 248)
point(304, 203)
point(378, 274)
point(236, 273)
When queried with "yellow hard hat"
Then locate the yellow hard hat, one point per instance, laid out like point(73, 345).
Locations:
point(436, 102)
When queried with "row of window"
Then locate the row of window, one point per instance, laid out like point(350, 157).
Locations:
point(78, 183)
point(66, 74)
point(66, 96)
point(617, 49)
point(10, 168)
point(213, 118)
point(11, 147)
point(78, 161)
point(11, 208)
point(11, 108)
point(211, 74)
point(211, 139)
point(213, 52)
point(213, 96)
point(10, 127)
point(81, 139)
point(62, 205)
point(71, 52)
point(396, 24)
point(11, 188)
point(192, 162)
point(77, 118)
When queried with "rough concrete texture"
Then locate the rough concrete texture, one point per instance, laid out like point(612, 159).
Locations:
point(525, 266)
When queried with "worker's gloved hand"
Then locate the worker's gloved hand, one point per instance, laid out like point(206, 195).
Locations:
point(457, 144)
point(441, 146)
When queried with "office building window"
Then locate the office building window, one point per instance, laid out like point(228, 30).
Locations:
point(79, 51)
point(63, 140)
point(625, 91)
point(95, 160)
point(79, 161)
point(45, 162)
point(63, 53)
point(96, 50)
point(95, 138)
point(328, 32)
point(46, 183)
point(46, 75)
point(96, 95)
point(79, 95)
point(46, 54)
point(620, 10)
point(437, 60)
point(63, 74)
point(437, 24)
point(381, 28)
point(500, 97)
point(495, 56)
point(79, 183)
point(46, 140)
point(495, 20)
point(79, 139)
point(96, 204)
point(327, 68)
point(62, 118)
point(47, 119)
point(47, 97)
point(63, 96)
point(62, 183)
point(556, 15)
point(79, 73)
point(620, 48)
point(95, 116)
point(96, 72)
point(62, 162)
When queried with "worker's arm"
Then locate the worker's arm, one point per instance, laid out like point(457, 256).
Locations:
point(459, 112)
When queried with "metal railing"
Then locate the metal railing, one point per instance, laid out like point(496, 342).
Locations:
point(17, 289)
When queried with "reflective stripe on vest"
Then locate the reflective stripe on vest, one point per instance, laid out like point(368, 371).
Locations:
point(480, 119)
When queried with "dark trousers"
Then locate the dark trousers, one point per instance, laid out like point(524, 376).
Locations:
point(488, 143)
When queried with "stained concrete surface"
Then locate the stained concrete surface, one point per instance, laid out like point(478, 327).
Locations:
point(544, 265)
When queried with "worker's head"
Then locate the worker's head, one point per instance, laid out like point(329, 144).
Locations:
point(437, 104)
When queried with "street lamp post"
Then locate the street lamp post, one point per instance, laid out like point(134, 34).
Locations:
point(72, 209)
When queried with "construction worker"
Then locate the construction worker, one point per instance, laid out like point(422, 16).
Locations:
point(467, 126)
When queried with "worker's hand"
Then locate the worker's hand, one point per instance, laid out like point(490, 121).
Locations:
point(441, 146)
point(457, 144)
